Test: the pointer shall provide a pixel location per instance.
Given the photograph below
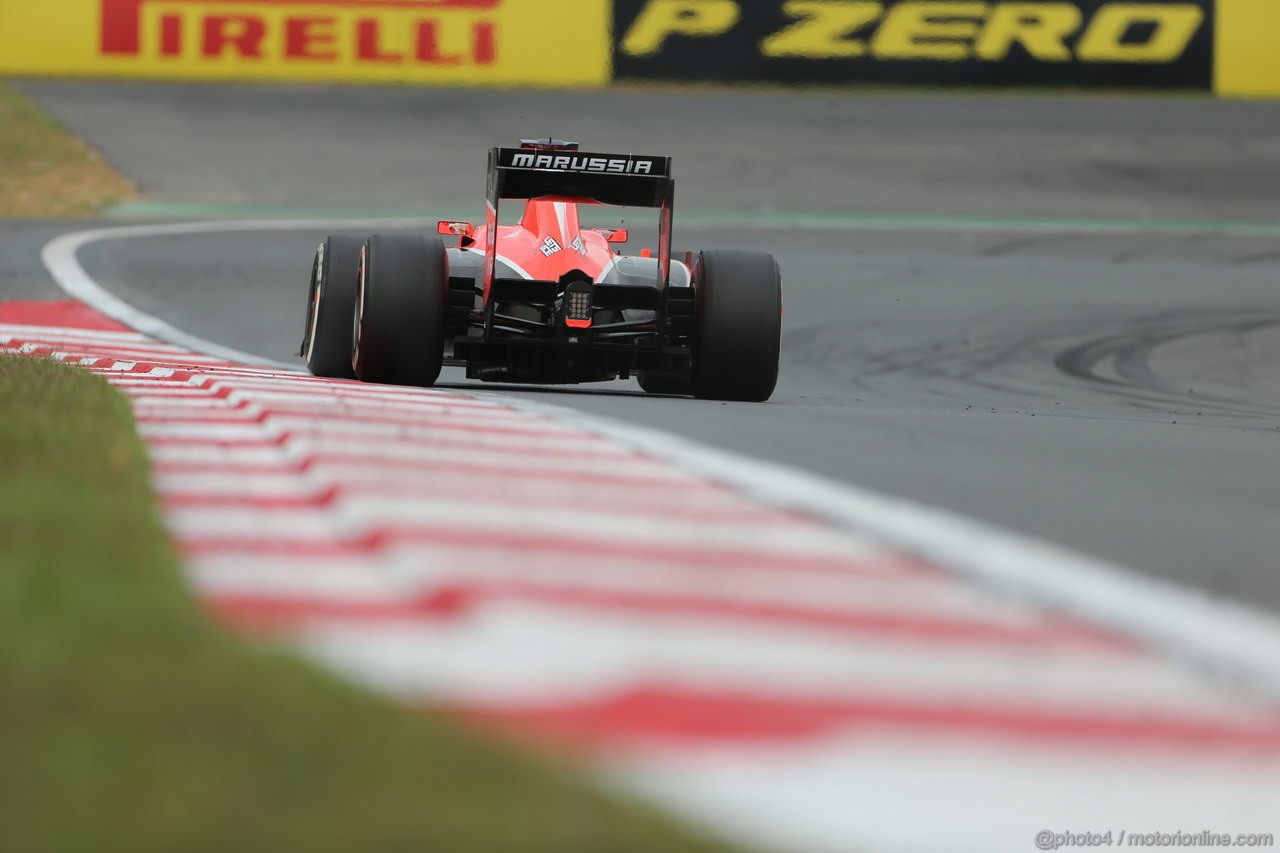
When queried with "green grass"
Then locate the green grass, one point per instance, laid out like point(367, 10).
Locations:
point(129, 722)
point(45, 171)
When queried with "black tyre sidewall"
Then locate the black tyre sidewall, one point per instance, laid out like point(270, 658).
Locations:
point(739, 325)
point(327, 339)
point(398, 330)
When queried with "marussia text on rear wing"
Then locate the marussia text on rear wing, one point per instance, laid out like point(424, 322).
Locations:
point(621, 179)
point(628, 164)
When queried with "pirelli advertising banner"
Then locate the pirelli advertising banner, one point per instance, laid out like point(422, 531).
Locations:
point(1230, 46)
point(448, 42)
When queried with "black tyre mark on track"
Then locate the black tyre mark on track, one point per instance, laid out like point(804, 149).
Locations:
point(1128, 355)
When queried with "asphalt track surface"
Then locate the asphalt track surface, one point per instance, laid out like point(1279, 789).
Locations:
point(1112, 392)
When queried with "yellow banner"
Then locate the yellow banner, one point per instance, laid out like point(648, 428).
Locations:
point(446, 42)
point(1246, 53)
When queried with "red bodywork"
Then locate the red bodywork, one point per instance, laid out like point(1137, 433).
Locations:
point(549, 242)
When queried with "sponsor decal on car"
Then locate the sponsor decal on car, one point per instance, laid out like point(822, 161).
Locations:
point(571, 163)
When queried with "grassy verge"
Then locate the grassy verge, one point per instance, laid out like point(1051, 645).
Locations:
point(45, 171)
point(129, 722)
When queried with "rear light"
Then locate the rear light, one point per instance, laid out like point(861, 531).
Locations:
point(577, 305)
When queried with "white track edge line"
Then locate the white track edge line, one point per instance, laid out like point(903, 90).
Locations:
point(1232, 642)
point(1229, 641)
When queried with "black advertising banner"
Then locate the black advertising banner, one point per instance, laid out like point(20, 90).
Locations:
point(1063, 43)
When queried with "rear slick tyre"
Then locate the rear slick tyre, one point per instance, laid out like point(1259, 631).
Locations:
point(739, 326)
point(402, 293)
point(331, 307)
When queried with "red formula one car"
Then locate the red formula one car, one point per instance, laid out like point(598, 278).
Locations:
point(547, 300)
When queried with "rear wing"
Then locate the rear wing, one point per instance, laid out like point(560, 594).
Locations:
point(560, 172)
point(630, 180)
